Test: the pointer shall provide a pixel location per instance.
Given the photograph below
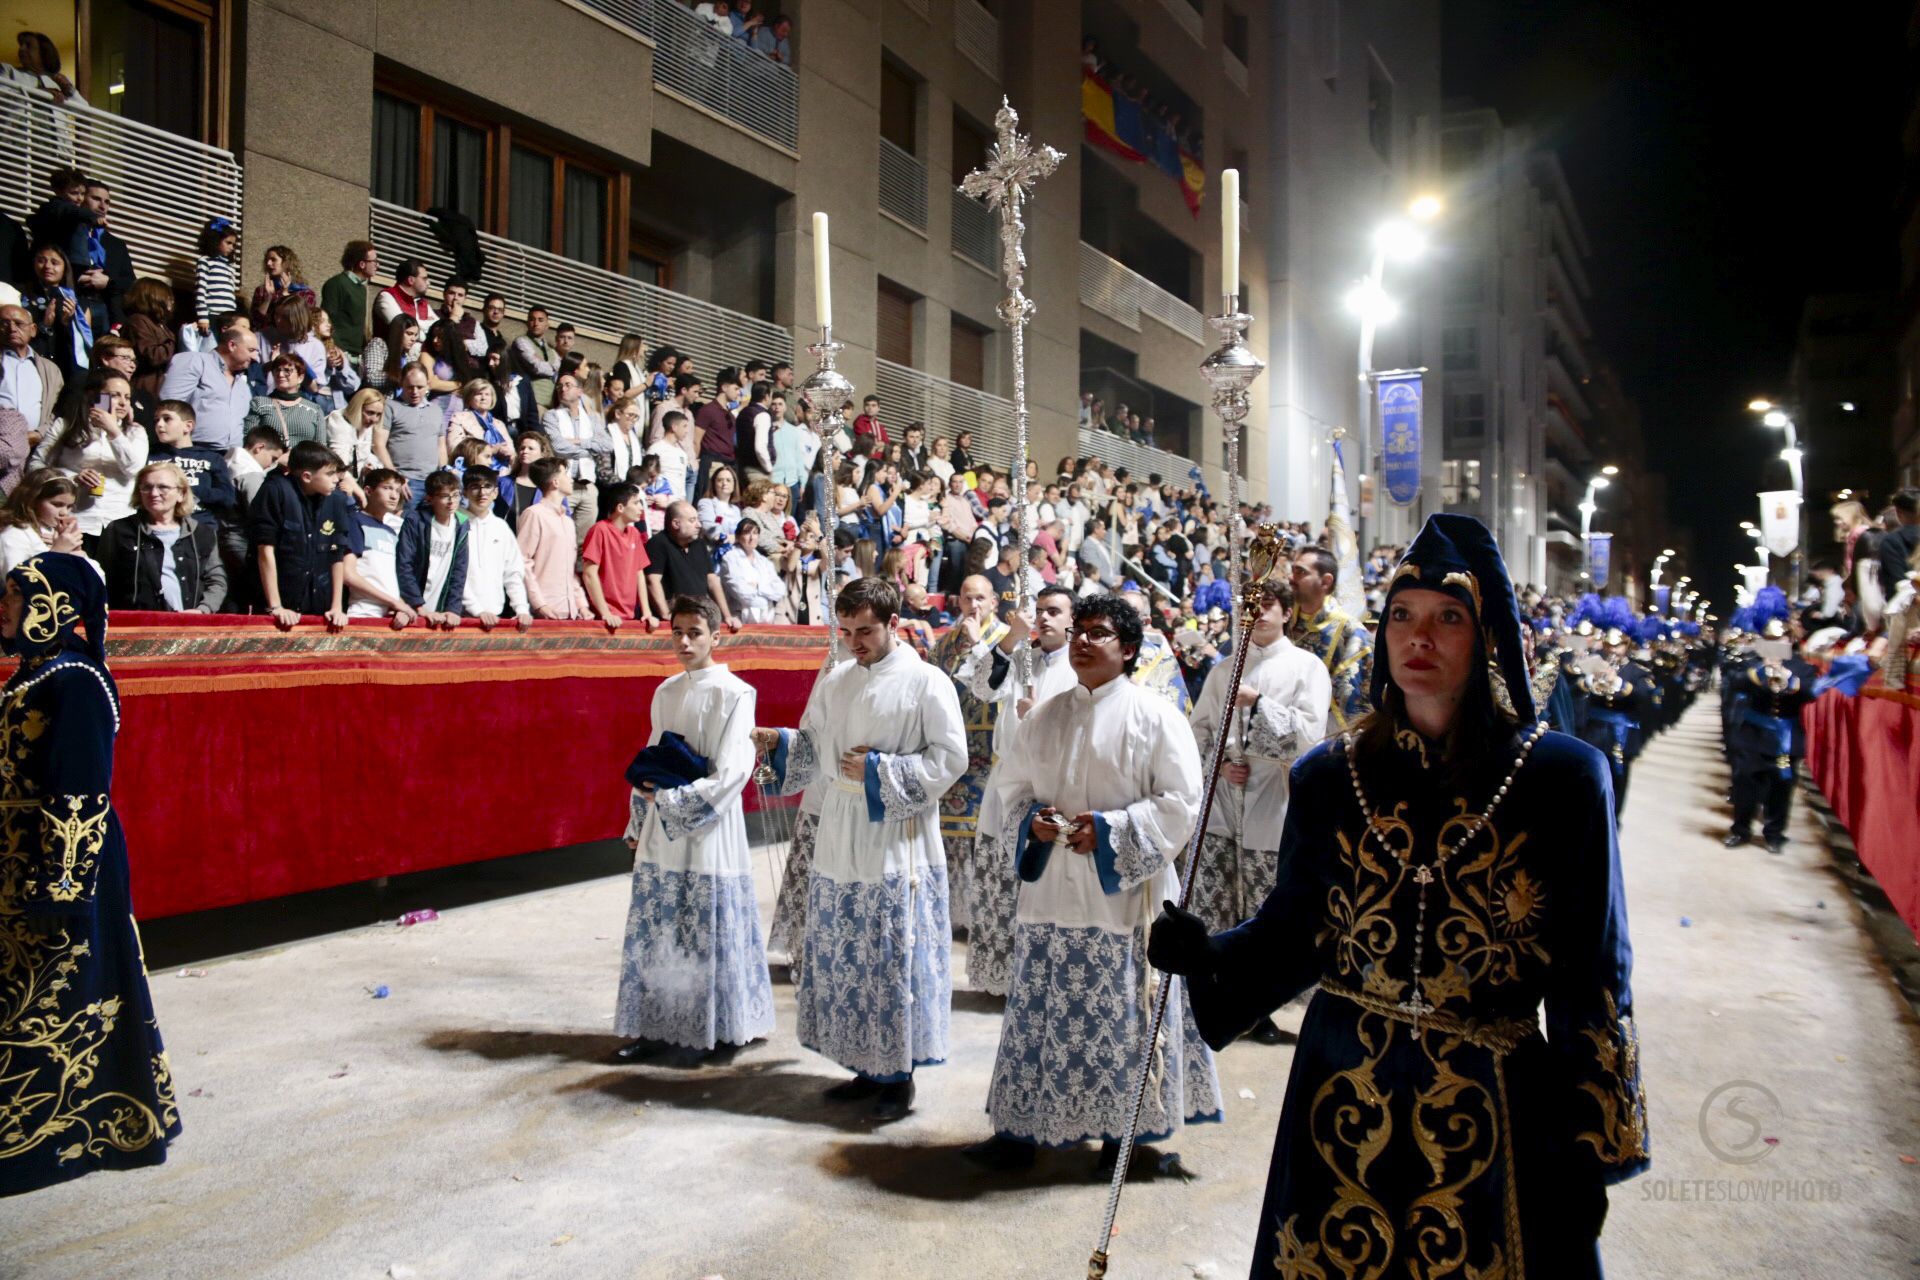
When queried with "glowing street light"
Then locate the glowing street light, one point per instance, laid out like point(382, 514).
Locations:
point(1368, 300)
point(1371, 304)
point(1400, 240)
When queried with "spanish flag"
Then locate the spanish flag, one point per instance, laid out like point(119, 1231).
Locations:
point(1097, 109)
point(1119, 126)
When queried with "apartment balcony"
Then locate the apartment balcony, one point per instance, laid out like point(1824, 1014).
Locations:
point(947, 408)
point(1564, 435)
point(1236, 70)
point(599, 303)
point(976, 233)
point(1561, 386)
point(694, 63)
point(976, 34)
point(1139, 459)
point(165, 187)
point(903, 186)
point(1188, 16)
point(1125, 295)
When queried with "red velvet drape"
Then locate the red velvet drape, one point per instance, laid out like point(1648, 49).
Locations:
point(253, 763)
point(1862, 752)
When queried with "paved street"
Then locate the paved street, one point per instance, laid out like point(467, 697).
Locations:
point(467, 1126)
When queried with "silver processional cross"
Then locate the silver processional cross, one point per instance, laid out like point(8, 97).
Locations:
point(1014, 164)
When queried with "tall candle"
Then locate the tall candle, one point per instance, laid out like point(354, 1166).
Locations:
point(1229, 231)
point(822, 279)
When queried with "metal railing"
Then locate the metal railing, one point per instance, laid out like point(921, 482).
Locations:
point(976, 33)
point(975, 231)
point(718, 72)
point(599, 302)
point(908, 395)
point(165, 187)
point(1139, 459)
point(903, 186)
point(1236, 69)
point(1187, 16)
point(1125, 295)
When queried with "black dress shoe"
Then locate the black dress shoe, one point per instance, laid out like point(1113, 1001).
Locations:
point(894, 1102)
point(1733, 839)
point(1776, 843)
point(1000, 1154)
point(640, 1050)
point(1266, 1032)
point(853, 1090)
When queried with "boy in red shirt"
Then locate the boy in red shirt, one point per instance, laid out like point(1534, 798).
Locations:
point(614, 557)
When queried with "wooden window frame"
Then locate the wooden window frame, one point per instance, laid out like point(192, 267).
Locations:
point(216, 64)
point(502, 138)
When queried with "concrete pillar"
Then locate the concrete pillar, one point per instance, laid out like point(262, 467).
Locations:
point(304, 187)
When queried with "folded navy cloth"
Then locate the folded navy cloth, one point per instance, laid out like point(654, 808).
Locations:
point(667, 764)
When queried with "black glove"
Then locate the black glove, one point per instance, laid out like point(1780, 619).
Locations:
point(1179, 943)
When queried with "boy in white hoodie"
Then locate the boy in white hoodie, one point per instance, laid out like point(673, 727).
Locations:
point(495, 570)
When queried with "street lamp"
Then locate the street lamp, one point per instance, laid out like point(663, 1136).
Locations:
point(1587, 507)
point(1779, 419)
point(1403, 241)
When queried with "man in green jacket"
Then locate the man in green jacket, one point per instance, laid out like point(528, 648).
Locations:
point(348, 297)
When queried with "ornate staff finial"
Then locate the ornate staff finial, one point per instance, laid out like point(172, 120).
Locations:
point(1014, 165)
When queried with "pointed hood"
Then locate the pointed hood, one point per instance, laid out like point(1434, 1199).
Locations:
point(1457, 556)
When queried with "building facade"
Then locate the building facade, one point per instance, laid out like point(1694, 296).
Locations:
point(1354, 115)
point(1534, 412)
point(634, 172)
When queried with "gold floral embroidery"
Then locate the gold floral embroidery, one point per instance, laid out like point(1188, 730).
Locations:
point(74, 839)
point(1351, 1122)
point(1410, 740)
point(1294, 1258)
point(49, 612)
point(1622, 1135)
point(1491, 908)
point(1460, 578)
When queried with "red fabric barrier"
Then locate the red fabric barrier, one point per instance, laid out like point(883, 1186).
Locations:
point(1862, 752)
point(254, 763)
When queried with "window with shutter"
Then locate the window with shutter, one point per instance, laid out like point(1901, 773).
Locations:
point(969, 354)
point(893, 324)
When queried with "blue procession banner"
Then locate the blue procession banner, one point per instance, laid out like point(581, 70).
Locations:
point(1400, 399)
point(1662, 596)
point(1599, 558)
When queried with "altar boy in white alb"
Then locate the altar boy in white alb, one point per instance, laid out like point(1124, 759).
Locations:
point(1276, 715)
point(693, 972)
point(873, 988)
point(1102, 788)
point(990, 674)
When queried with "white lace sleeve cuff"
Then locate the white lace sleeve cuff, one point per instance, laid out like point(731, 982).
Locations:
point(895, 791)
point(683, 811)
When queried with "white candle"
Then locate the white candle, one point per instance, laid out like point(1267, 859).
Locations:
point(1230, 231)
point(822, 279)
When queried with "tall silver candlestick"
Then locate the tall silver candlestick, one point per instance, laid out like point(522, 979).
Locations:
point(1229, 371)
point(1005, 182)
point(828, 386)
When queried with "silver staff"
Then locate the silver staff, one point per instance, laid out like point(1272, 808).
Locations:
point(1229, 371)
point(1005, 182)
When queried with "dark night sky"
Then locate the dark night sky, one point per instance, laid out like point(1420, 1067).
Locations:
point(1726, 164)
